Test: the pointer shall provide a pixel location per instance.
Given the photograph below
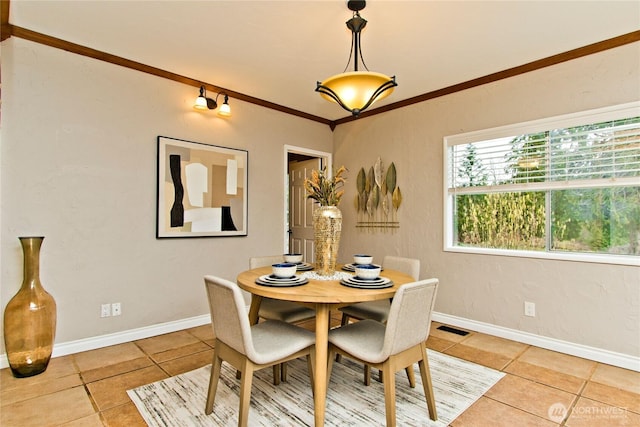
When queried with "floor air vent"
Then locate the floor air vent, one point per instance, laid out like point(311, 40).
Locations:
point(453, 330)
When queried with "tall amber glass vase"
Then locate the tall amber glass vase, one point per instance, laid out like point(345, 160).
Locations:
point(30, 318)
point(327, 226)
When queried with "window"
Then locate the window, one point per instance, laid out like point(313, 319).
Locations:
point(566, 187)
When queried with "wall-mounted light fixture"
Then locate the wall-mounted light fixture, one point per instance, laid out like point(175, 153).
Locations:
point(205, 103)
point(355, 91)
point(225, 109)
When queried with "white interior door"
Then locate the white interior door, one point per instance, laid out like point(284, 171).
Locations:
point(301, 209)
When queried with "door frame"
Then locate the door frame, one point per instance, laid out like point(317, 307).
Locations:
point(326, 160)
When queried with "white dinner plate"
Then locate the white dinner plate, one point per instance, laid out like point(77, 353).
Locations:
point(274, 278)
point(352, 267)
point(268, 280)
point(377, 281)
point(305, 266)
point(368, 285)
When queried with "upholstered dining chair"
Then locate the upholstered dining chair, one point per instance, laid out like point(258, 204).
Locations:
point(273, 309)
point(248, 348)
point(379, 310)
point(285, 311)
point(394, 346)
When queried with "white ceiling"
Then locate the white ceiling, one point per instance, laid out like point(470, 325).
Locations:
point(277, 50)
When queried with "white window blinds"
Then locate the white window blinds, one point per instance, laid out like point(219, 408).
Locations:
point(605, 153)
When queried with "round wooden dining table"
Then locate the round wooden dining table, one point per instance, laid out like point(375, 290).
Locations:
point(323, 296)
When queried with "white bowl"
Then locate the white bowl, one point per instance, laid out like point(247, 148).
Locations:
point(362, 259)
point(284, 269)
point(367, 271)
point(293, 258)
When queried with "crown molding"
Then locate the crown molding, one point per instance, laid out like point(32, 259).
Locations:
point(7, 30)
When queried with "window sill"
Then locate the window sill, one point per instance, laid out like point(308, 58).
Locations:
point(558, 256)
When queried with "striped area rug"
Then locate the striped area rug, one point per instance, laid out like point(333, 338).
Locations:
point(180, 400)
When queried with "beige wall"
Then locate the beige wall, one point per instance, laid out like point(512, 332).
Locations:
point(79, 167)
point(78, 161)
point(591, 304)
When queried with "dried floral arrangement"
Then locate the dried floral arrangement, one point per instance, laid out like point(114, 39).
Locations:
point(326, 191)
point(379, 197)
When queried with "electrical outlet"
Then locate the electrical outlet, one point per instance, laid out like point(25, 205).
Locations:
point(105, 310)
point(530, 309)
point(116, 309)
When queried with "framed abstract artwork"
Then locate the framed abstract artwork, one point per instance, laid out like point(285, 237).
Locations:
point(202, 190)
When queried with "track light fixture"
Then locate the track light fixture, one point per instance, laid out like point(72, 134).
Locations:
point(205, 103)
point(355, 91)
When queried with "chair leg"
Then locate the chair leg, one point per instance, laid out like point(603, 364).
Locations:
point(213, 383)
point(276, 374)
point(410, 376)
point(425, 373)
point(367, 374)
point(389, 394)
point(245, 394)
point(283, 371)
point(312, 371)
point(331, 354)
point(344, 321)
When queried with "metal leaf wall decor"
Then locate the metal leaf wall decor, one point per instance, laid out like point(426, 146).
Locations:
point(379, 197)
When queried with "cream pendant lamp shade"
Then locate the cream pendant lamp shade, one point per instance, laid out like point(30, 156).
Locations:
point(357, 90)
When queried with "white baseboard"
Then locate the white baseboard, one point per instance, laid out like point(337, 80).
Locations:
point(579, 350)
point(92, 343)
point(592, 353)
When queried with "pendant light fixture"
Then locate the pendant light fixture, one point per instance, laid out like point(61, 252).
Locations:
point(356, 90)
point(205, 103)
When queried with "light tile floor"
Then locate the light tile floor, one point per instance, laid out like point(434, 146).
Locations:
point(540, 387)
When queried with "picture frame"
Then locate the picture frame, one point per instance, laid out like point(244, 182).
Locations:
point(201, 190)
